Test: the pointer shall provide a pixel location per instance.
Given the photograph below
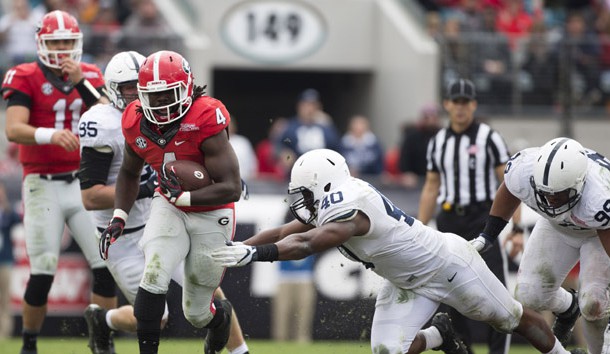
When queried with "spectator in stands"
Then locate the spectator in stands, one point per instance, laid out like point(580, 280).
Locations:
point(244, 151)
point(540, 68)
point(513, 21)
point(454, 52)
point(105, 31)
point(17, 28)
point(470, 17)
point(46, 6)
point(361, 148)
point(491, 61)
point(146, 30)
point(269, 166)
point(8, 219)
point(414, 141)
point(584, 53)
point(305, 131)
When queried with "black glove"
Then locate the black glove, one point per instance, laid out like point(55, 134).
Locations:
point(170, 187)
point(147, 189)
point(110, 235)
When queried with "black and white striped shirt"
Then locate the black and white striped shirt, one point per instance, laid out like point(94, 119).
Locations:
point(466, 163)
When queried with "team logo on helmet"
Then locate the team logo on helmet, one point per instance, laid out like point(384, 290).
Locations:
point(185, 66)
point(141, 142)
point(46, 88)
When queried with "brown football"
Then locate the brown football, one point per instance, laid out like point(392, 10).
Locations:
point(191, 175)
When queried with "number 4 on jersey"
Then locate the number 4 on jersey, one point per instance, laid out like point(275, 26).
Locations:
point(220, 118)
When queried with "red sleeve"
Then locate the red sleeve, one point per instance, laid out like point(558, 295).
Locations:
point(17, 79)
point(214, 117)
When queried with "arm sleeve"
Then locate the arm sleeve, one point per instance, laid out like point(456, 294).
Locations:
point(94, 167)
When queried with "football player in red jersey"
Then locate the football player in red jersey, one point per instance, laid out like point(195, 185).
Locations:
point(45, 100)
point(173, 120)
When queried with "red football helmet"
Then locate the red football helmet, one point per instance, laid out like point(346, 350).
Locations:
point(58, 25)
point(165, 87)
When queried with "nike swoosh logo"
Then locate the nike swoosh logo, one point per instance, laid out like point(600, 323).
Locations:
point(451, 279)
point(178, 143)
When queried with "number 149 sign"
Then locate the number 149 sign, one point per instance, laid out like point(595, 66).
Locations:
point(273, 31)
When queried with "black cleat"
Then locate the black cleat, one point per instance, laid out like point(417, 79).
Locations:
point(451, 343)
point(564, 323)
point(100, 340)
point(28, 351)
point(218, 337)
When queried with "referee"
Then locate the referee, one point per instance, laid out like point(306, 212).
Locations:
point(465, 166)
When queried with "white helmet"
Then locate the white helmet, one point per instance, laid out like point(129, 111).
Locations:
point(560, 171)
point(121, 70)
point(315, 173)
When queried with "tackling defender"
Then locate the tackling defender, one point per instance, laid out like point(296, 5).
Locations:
point(421, 266)
point(45, 99)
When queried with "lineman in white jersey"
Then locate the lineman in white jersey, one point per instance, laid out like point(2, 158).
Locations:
point(421, 266)
point(569, 186)
point(102, 146)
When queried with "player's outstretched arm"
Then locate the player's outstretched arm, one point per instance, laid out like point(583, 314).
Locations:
point(604, 237)
point(294, 246)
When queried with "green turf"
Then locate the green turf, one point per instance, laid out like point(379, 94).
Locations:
point(179, 346)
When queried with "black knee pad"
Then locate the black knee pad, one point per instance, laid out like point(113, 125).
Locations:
point(149, 307)
point(37, 290)
point(103, 283)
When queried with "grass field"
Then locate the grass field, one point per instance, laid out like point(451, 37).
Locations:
point(188, 346)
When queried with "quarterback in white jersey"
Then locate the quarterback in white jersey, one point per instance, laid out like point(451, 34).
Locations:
point(102, 146)
point(569, 186)
point(421, 266)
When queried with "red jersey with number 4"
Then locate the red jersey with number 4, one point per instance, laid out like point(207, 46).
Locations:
point(54, 103)
point(181, 141)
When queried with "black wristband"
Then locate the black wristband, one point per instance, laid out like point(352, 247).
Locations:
point(266, 253)
point(87, 92)
point(494, 226)
point(517, 229)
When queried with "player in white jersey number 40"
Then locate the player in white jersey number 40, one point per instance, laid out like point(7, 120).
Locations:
point(421, 266)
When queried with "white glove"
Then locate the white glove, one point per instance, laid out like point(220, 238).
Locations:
point(235, 254)
point(482, 243)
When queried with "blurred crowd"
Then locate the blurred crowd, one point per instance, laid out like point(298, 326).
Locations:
point(525, 52)
point(108, 26)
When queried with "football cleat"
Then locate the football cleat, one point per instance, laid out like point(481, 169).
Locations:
point(100, 340)
point(564, 323)
point(451, 343)
point(25, 351)
point(218, 337)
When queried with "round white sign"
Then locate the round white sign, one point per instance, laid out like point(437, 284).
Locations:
point(273, 31)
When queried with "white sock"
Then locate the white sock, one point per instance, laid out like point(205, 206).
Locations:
point(242, 349)
point(566, 301)
point(109, 319)
point(433, 337)
point(558, 348)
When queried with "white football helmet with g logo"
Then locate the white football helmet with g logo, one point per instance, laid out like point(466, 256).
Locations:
point(315, 173)
point(122, 70)
point(560, 171)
